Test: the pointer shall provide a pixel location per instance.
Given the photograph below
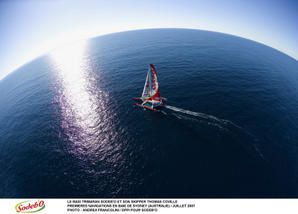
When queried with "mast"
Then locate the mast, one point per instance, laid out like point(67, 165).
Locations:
point(150, 82)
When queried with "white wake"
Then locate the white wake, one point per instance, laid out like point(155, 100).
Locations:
point(196, 114)
point(222, 124)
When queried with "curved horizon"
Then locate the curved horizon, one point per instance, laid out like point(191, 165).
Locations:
point(144, 29)
point(32, 28)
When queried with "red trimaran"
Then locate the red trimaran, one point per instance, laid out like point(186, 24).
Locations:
point(151, 98)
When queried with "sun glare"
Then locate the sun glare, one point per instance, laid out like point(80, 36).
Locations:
point(84, 115)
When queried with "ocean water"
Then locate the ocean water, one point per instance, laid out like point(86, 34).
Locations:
point(230, 128)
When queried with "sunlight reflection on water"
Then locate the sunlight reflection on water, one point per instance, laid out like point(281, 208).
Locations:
point(85, 119)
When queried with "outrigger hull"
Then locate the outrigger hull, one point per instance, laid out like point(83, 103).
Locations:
point(145, 107)
point(148, 105)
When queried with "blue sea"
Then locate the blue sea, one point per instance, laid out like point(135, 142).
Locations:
point(68, 127)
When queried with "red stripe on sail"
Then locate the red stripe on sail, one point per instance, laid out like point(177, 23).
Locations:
point(156, 96)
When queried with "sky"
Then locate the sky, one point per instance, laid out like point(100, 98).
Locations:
point(30, 28)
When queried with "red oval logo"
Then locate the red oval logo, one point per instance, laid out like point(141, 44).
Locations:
point(30, 206)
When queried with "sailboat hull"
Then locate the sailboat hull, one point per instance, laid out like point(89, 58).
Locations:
point(146, 107)
point(150, 105)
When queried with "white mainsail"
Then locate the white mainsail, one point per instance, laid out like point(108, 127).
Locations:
point(147, 87)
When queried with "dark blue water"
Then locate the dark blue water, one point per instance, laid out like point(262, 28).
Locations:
point(68, 127)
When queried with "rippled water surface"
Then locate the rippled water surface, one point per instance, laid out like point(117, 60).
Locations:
point(68, 127)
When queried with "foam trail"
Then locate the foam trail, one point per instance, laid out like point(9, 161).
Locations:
point(214, 121)
point(207, 117)
point(196, 114)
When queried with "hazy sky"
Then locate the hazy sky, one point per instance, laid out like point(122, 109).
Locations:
point(31, 28)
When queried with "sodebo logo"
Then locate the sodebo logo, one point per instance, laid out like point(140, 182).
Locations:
point(30, 206)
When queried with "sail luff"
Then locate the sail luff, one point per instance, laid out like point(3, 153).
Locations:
point(150, 82)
